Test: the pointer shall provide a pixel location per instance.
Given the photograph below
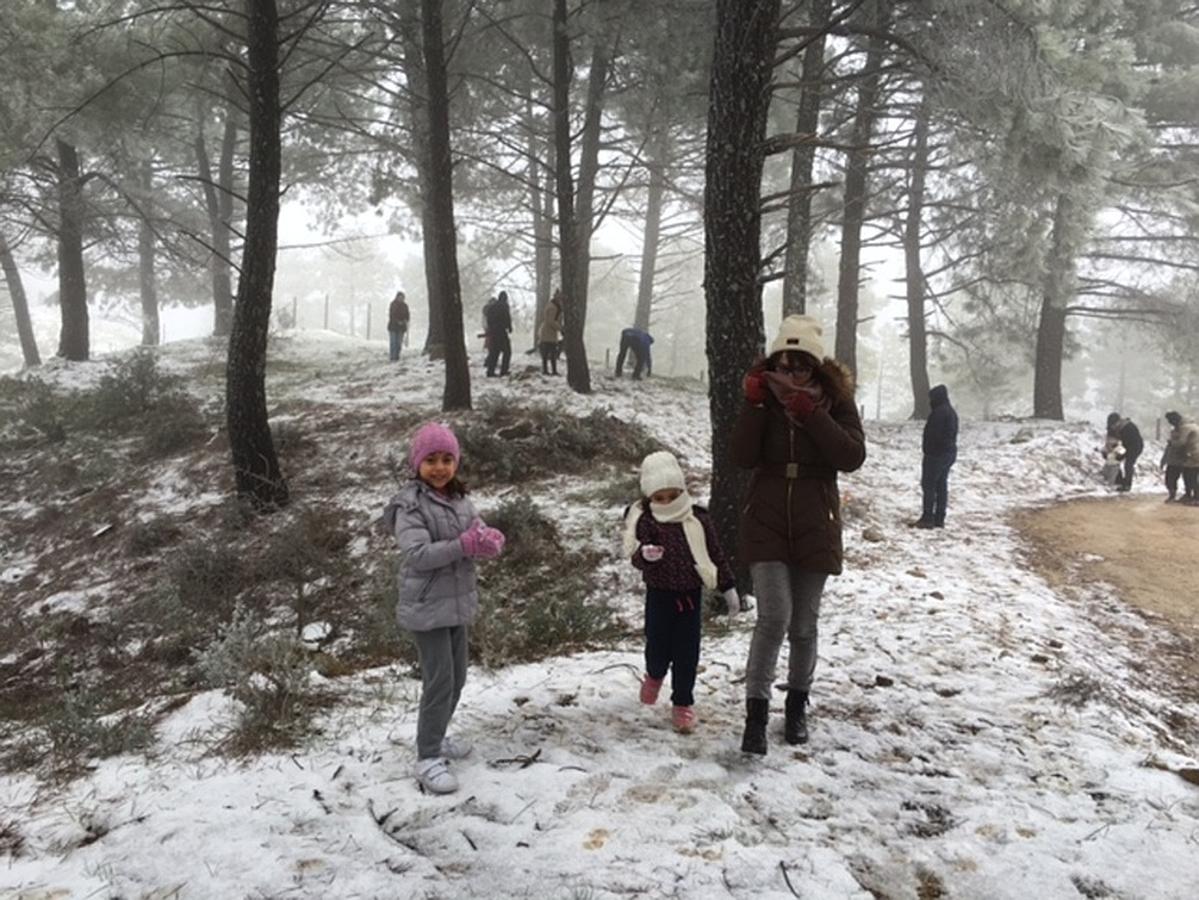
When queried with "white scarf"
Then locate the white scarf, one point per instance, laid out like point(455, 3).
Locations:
point(678, 511)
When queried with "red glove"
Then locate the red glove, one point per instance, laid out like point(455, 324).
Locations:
point(755, 385)
point(801, 405)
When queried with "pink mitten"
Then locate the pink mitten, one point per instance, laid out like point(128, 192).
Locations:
point(473, 539)
point(493, 542)
point(651, 552)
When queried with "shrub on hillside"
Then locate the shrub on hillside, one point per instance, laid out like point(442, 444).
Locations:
point(270, 676)
point(514, 444)
point(537, 599)
point(309, 547)
point(32, 412)
point(205, 576)
point(135, 386)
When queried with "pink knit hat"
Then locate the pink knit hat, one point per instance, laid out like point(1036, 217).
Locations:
point(432, 437)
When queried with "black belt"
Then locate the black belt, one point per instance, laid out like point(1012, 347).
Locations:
point(796, 470)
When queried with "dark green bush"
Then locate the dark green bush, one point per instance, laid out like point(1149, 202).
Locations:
point(32, 411)
point(513, 444)
point(537, 599)
point(269, 675)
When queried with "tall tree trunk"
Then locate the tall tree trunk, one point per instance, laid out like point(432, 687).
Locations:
point(255, 465)
point(222, 240)
point(411, 36)
point(1051, 331)
point(441, 207)
point(20, 305)
point(649, 246)
point(543, 237)
point(913, 271)
point(218, 202)
point(578, 375)
point(856, 195)
point(73, 342)
point(589, 145)
point(147, 246)
point(803, 160)
point(739, 96)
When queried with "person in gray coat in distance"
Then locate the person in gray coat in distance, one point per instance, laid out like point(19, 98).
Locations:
point(439, 535)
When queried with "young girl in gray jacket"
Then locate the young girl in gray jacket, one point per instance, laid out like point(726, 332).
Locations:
point(439, 535)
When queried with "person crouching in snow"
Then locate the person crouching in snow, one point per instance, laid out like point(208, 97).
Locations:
point(672, 541)
point(439, 535)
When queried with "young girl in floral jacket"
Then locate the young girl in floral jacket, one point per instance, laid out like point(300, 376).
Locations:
point(672, 541)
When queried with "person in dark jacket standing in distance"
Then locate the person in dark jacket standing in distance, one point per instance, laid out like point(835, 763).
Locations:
point(499, 326)
point(798, 428)
point(398, 316)
point(940, 447)
point(637, 341)
point(1134, 445)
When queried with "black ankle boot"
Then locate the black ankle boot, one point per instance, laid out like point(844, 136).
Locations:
point(756, 713)
point(795, 727)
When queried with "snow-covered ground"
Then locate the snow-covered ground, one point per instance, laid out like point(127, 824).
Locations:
point(974, 733)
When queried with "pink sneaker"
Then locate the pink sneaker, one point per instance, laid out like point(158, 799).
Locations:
point(649, 690)
point(683, 719)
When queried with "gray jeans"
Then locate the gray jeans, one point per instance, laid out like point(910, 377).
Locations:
point(443, 673)
point(788, 604)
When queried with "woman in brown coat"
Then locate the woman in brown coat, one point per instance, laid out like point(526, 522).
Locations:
point(798, 428)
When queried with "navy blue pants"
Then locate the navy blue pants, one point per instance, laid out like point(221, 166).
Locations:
point(672, 629)
point(934, 483)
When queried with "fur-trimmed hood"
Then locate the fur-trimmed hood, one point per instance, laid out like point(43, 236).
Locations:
point(837, 380)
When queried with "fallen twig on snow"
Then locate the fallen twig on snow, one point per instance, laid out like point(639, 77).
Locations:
point(523, 761)
point(787, 878)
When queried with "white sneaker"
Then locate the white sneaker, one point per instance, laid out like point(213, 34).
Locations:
point(434, 775)
point(455, 747)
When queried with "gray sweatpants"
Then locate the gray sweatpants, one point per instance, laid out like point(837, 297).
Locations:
point(443, 673)
point(788, 604)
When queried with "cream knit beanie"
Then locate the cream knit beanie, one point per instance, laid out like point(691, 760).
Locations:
point(659, 471)
point(802, 333)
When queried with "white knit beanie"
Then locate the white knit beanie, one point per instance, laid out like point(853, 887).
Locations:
point(802, 333)
point(659, 471)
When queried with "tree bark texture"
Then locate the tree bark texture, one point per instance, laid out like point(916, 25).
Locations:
point(542, 210)
point(411, 37)
point(739, 97)
point(147, 252)
point(578, 374)
point(218, 203)
point(74, 339)
point(589, 146)
point(856, 196)
point(441, 241)
point(20, 305)
point(649, 247)
point(913, 270)
point(1051, 330)
point(255, 464)
point(803, 160)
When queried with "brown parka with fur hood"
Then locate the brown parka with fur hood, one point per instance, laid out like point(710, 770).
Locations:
point(792, 513)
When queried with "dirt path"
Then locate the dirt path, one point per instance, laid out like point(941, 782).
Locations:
point(1146, 549)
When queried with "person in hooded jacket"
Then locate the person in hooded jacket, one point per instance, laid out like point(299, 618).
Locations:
point(498, 318)
point(940, 448)
point(1130, 436)
point(440, 537)
point(550, 334)
point(636, 341)
point(1181, 457)
point(799, 427)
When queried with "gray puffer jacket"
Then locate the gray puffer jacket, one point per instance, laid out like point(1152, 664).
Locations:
point(437, 584)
